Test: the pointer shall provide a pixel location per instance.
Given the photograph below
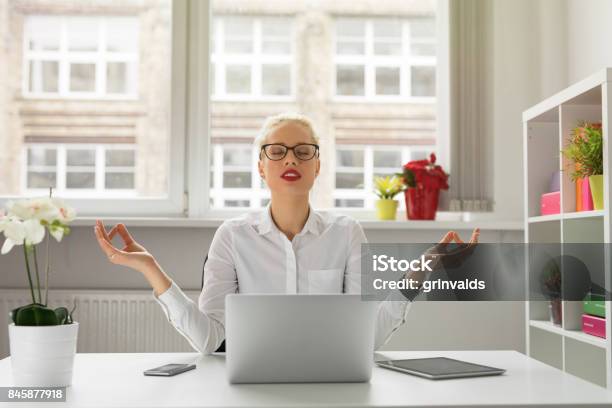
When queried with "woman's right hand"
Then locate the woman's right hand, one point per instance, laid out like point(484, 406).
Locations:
point(132, 255)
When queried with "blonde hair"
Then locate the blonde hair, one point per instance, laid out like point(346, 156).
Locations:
point(273, 122)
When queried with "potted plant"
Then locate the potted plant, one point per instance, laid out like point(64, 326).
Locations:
point(585, 149)
point(42, 340)
point(423, 180)
point(386, 188)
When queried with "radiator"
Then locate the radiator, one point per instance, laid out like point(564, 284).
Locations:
point(110, 321)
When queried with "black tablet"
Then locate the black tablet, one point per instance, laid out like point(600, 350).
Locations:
point(437, 368)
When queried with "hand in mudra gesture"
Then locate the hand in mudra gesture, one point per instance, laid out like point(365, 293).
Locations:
point(457, 255)
point(132, 255)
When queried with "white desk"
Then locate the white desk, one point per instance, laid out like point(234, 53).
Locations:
point(116, 380)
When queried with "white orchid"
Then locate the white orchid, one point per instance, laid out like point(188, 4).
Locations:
point(43, 209)
point(26, 220)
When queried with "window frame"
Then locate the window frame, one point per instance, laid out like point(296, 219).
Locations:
point(61, 169)
point(255, 61)
point(370, 61)
point(173, 203)
point(65, 58)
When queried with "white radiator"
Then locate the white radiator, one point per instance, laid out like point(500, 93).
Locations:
point(110, 321)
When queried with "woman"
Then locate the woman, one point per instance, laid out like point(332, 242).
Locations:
point(286, 248)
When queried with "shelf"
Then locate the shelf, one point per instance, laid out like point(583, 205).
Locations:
point(574, 334)
point(548, 326)
point(585, 338)
point(566, 216)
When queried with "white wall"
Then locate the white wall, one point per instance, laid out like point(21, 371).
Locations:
point(589, 37)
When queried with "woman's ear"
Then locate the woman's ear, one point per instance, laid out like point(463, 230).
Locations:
point(318, 167)
point(260, 168)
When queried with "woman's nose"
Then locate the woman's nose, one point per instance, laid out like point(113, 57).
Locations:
point(290, 158)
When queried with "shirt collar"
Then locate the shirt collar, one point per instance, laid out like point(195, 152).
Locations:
point(266, 224)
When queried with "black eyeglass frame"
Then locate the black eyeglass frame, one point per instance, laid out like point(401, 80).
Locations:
point(263, 148)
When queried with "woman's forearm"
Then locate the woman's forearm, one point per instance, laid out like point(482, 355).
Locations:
point(157, 278)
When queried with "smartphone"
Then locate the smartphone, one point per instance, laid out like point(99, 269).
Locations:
point(169, 370)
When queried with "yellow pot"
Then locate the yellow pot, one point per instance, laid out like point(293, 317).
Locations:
point(386, 209)
point(596, 184)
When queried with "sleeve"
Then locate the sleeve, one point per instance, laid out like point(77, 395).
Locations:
point(391, 313)
point(203, 325)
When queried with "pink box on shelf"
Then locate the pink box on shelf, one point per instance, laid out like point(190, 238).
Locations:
point(550, 203)
point(594, 325)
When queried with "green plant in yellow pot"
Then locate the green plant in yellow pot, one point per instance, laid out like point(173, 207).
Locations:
point(386, 188)
point(585, 149)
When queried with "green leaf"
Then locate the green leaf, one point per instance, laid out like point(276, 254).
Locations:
point(62, 315)
point(35, 314)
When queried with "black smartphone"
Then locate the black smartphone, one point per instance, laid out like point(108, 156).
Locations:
point(169, 370)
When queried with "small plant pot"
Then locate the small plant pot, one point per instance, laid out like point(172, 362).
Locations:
point(386, 209)
point(555, 311)
point(596, 184)
point(43, 356)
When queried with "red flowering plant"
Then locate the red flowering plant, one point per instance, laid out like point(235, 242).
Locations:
point(425, 174)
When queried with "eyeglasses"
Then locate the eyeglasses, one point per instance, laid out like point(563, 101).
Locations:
point(277, 151)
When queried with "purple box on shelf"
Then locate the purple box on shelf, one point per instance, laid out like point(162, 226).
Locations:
point(594, 325)
point(550, 203)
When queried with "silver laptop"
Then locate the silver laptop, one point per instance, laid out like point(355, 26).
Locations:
point(272, 338)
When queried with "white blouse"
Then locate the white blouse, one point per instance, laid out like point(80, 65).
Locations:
point(249, 254)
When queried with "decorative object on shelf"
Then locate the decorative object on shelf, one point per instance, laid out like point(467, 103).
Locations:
point(550, 281)
point(42, 340)
point(386, 188)
point(550, 203)
point(594, 325)
point(585, 149)
point(594, 304)
point(423, 180)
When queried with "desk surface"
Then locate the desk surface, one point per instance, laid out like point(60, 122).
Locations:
point(116, 380)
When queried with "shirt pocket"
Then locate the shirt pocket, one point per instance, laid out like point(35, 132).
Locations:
point(325, 280)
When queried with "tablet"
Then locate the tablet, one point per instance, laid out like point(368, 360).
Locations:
point(437, 368)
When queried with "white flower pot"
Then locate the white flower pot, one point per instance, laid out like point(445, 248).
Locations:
point(43, 356)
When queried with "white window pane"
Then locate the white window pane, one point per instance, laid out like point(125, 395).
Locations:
point(387, 29)
point(348, 47)
point(419, 154)
point(40, 156)
point(349, 180)
point(123, 158)
point(41, 179)
point(351, 27)
point(236, 203)
point(238, 35)
point(80, 180)
point(275, 27)
point(387, 81)
point(349, 203)
point(83, 33)
point(349, 158)
point(423, 81)
point(387, 158)
point(238, 79)
point(82, 77)
point(43, 76)
point(350, 80)
point(423, 49)
point(423, 28)
point(122, 34)
point(80, 157)
point(43, 33)
point(116, 77)
point(276, 47)
point(237, 179)
point(121, 181)
point(276, 79)
point(387, 47)
point(237, 156)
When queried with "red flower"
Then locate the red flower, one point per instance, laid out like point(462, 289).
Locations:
point(427, 174)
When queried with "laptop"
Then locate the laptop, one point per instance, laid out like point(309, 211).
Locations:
point(280, 338)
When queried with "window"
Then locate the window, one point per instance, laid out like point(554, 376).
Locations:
point(235, 179)
point(81, 56)
point(356, 167)
point(385, 58)
point(106, 170)
point(252, 56)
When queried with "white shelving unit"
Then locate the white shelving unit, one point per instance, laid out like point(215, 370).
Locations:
point(546, 128)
